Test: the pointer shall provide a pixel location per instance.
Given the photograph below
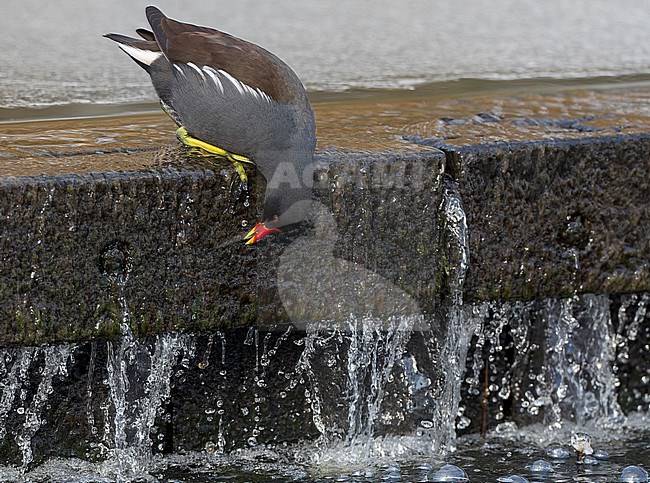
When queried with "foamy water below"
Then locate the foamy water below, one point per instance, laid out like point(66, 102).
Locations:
point(505, 452)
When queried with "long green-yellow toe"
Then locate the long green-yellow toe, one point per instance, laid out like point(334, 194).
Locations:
point(205, 149)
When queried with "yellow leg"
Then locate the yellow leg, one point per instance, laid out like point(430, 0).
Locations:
point(206, 149)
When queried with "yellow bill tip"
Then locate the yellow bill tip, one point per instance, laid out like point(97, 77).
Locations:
point(250, 234)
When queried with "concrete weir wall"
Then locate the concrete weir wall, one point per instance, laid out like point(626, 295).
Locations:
point(555, 218)
point(95, 258)
point(546, 219)
point(166, 246)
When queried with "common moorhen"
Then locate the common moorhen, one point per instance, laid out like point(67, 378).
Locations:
point(236, 100)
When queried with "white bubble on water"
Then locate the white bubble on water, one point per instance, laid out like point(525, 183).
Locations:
point(633, 474)
point(450, 473)
point(541, 466)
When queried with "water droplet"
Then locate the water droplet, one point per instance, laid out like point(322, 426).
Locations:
point(364, 473)
point(581, 442)
point(634, 474)
point(512, 479)
point(450, 473)
point(558, 453)
point(541, 466)
point(600, 454)
point(392, 473)
point(589, 460)
point(463, 422)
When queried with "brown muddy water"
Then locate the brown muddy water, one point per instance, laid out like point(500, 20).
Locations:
point(76, 139)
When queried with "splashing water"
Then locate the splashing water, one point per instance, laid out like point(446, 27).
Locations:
point(371, 357)
point(579, 382)
point(368, 379)
point(557, 362)
point(14, 370)
point(16, 389)
point(359, 361)
point(459, 328)
point(360, 433)
point(139, 379)
point(55, 364)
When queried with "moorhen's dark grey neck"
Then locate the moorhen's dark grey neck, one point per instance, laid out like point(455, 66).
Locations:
point(314, 211)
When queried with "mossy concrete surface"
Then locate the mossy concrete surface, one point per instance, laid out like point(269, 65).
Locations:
point(83, 253)
point(552, 218)
point(163, 249)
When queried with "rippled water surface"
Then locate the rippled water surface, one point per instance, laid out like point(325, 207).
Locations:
point(53, 52)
